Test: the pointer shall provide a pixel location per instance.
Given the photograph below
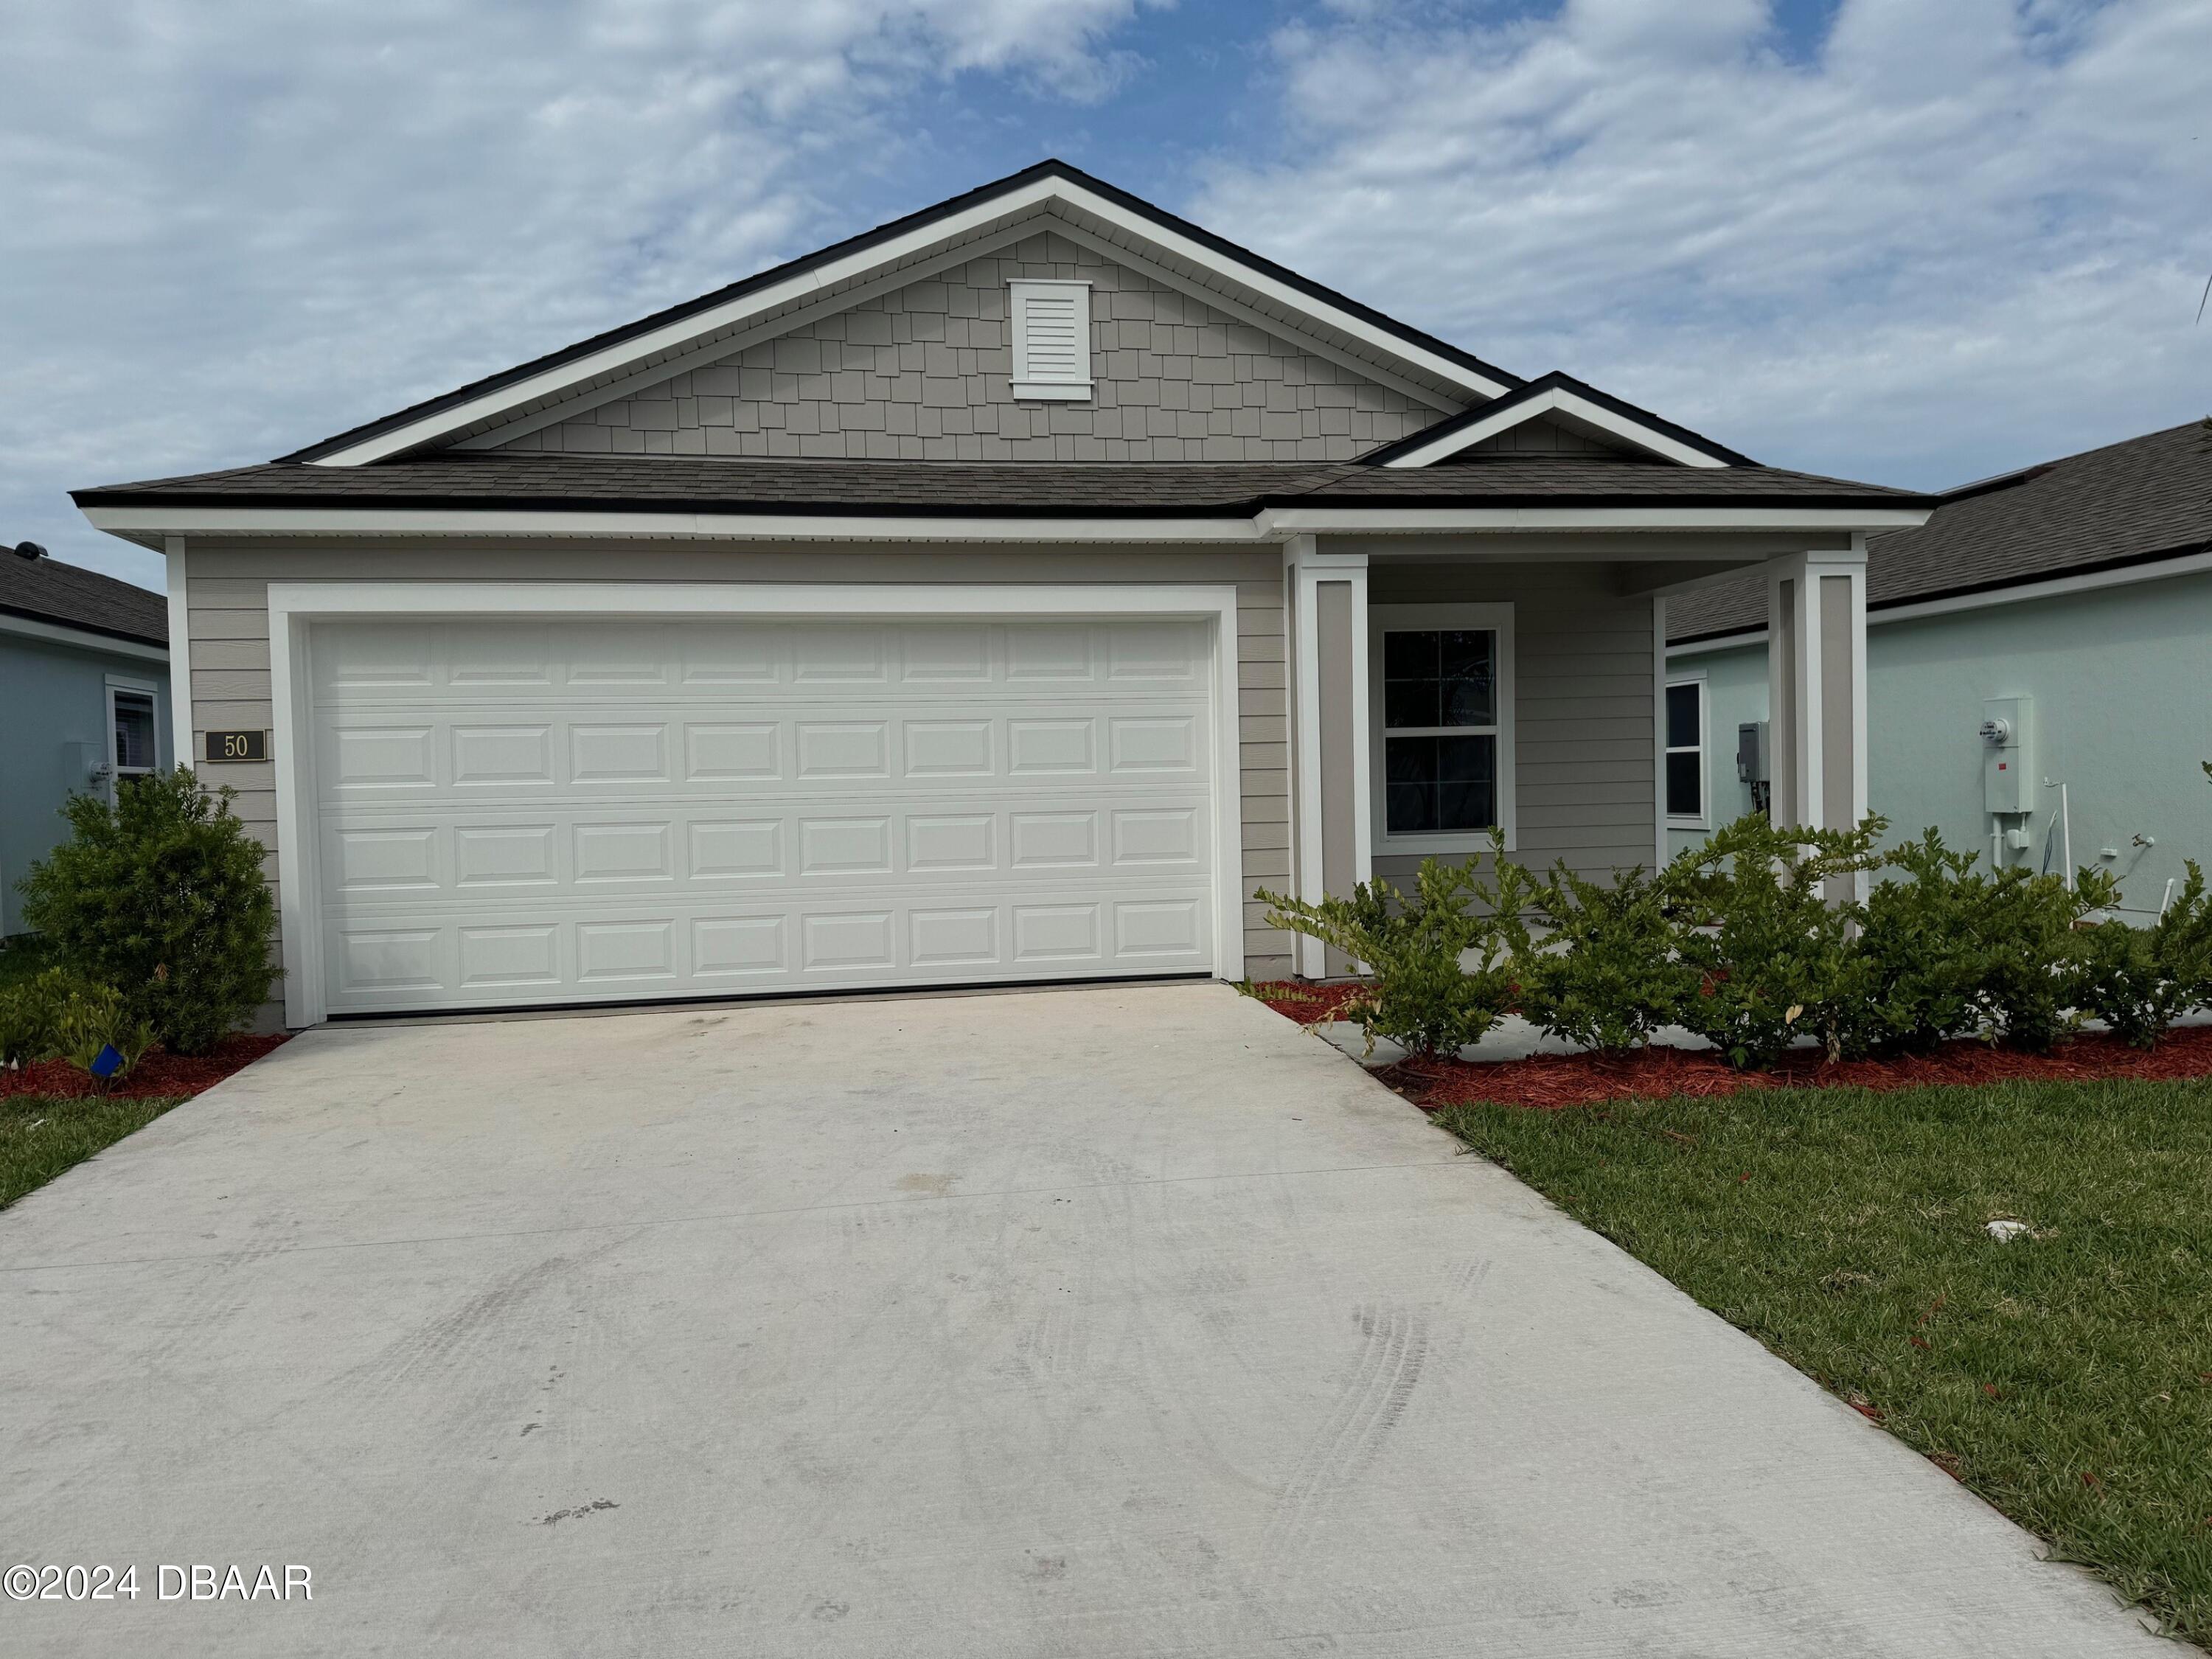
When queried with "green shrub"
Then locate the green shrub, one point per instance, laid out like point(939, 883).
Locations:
point(1421, 995)
point(2140, 979)
point(93, 1019)
point(30, 1011)
point(1927, 950)
point(2032, 952)
point(1770, 953)
point(1610, 973)
point(160, 895)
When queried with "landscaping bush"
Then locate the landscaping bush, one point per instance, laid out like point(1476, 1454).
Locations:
point(161, 896)
point(1610, 974)
point(2034, 950)
point(55, 1017)
point(2140, 979)
point(1421, 995)
point(1771, 955)
point(1927, 946)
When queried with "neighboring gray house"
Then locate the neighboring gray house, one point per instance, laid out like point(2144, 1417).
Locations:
point(84, 679)
point(2072, 602)
point(1001, 595)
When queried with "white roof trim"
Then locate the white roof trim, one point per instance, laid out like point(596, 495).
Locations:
point(1559, 400)
point(1270, 525)
point(58, 633)
point(563, 380)
point(2054, 587)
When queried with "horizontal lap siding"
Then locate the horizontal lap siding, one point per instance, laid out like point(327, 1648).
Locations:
point(1583, 776)
point(227, 602)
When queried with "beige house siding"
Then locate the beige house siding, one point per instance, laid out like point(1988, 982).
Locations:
point(227, 601)
point(924, 373)
point(1583, 701)
point(1540, 437)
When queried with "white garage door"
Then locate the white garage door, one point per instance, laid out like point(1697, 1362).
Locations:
point(521, 812)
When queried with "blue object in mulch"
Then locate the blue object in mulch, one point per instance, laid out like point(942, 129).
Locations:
point(107, 1062)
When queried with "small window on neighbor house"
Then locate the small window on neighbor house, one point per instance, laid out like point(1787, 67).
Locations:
point(1440, 701)
point(1051, 326)
point(1685, 750)
point(131, 741)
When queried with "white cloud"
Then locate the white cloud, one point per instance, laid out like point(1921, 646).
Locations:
point(232, 229)
point(1967, 235)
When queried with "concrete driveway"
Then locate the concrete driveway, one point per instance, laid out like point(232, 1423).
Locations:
point(1103, 1322)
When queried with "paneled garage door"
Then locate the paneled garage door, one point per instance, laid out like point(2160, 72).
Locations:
point(521, 812)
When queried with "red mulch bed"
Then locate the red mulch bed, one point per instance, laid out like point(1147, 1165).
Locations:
point(157, 1073)
point(1549, 1081)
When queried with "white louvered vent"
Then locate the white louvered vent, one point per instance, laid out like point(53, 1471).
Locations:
point(1052, 339)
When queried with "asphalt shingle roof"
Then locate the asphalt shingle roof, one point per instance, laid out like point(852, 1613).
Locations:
point(2147, 498)
point(47, 591)
point(526, 482)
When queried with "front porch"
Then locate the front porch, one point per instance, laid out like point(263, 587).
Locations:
point(1438, 686)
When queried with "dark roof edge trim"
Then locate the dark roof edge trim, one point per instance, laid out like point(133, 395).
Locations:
point(1557, 379)
point(889, 231)
point(76, 627)
point(2185, 551)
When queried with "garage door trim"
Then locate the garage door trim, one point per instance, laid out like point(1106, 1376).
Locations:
point(295, 606)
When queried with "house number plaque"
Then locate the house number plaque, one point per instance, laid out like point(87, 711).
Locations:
point(238, 745)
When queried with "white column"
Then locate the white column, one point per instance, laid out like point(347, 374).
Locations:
point(180, 656)
point(1816, 687)
point(1331, 830)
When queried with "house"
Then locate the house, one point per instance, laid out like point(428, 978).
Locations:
point(2038, 670)
point(84, 679)
point(1003, 594)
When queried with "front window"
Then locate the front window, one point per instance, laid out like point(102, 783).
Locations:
point(1439, 730)
point(131, 738)
point(1442, 696)
point(1686, 750)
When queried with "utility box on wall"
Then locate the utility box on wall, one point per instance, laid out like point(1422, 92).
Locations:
point(2008, 755)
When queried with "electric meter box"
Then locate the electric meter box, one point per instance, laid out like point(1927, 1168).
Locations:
point(2008, 777)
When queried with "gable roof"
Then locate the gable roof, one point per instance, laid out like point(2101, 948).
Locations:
point(1576, 403)
point(44, 591)
point(900, 247)
point(2133, 503)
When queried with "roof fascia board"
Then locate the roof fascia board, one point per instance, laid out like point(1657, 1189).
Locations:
point(1021, 200)
point(1270, 524)
point(87, 639)
point(1559, 400)
point(2055, 587)
point(1106, 248)
point(714, 350)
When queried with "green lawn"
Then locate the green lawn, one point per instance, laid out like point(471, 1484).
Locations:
point(40, 1135)
point(2066, 1377)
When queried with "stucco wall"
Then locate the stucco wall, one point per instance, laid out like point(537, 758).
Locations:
point(924, 373)
point(227, 596)
point(56, 698)
point(2121, 680)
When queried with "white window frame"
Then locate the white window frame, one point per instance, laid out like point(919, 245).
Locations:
point(1431, 619)
point(116, 769)
point(1019, 292)
point(1702, 819)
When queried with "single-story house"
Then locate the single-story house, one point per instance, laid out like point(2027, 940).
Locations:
point(84, 678)
point(1003, 594)
point(2039, 670)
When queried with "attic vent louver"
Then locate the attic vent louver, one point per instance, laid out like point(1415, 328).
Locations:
point(1052, 339)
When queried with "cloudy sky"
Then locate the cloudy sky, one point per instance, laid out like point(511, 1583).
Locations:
point(1909, 240)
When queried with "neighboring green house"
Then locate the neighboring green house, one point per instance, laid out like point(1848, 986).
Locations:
point(2038, 670)
point(84, 680)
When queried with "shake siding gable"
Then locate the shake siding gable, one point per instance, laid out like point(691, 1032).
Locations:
point(925, 373)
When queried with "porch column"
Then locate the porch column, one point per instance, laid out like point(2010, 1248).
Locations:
point(1325, 595)
point(1816, 688)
